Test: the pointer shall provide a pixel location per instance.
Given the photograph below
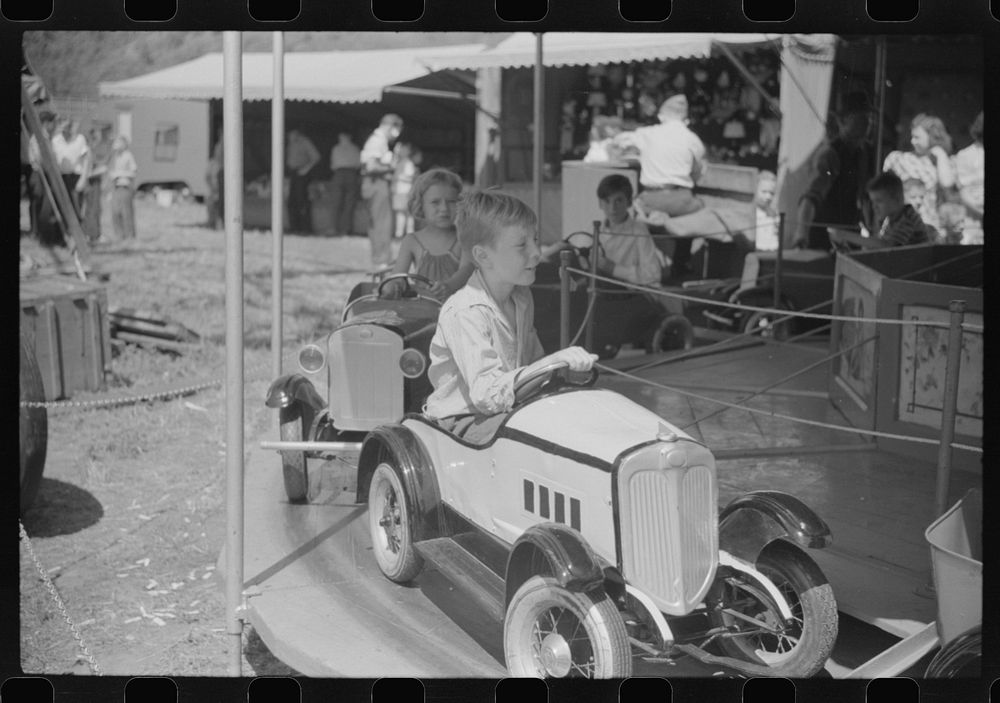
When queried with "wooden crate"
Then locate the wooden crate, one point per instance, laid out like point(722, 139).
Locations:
point(895, 384)
point(67, 321)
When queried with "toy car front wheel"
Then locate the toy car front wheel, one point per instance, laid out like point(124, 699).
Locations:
point(550, 631)
point(299, 486)
point(672, 332)
point(391, 527)
point(796, 649)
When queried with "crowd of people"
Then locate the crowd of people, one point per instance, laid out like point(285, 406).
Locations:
point(729, 114)
point(92, 169)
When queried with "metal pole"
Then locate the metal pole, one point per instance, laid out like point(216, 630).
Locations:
point(949, 407)
point(592, 287)
point(564, 256)
point(233, 214)
point(538, 149)
point(777, 260)
point(881, 51)
point(277, 200)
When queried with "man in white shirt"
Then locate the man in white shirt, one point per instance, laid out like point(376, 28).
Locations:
point(377, 167)
point(671, 159)
point(345, 163)
point(72, 155)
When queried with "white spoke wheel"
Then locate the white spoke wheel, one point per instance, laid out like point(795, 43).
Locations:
point(798, 649)
point(391, 527)
point(300, 486)
point(552, 632)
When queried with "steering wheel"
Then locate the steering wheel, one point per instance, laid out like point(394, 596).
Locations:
point(534, 383)
point(408, 277)
point(581, 243)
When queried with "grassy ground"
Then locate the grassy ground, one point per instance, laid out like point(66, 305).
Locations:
point(130, 516)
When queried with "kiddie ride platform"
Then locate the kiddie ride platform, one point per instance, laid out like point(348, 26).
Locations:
point(316, 596)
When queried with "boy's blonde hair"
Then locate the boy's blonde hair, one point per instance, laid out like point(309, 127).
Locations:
point(415, 203)
point(483, 213)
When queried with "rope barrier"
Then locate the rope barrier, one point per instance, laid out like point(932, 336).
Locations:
point(780, 416)
point(95, 667)
point(752, 308)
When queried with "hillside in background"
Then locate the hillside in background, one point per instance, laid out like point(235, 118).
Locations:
point(71, 64)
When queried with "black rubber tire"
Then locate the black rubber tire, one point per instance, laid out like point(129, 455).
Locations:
point(391, 527)
point(960, 658)
point(671, 333)
point(33, 426)
point(604, 644)
point(813, 607)
point(298, 486)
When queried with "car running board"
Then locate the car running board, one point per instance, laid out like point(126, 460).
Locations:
point(468, 573)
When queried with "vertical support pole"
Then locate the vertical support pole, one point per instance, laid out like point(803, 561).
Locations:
point(564, 256)
point(881, 51)
point(538, 150)
point(777, 260)
point(950, 405)
point(277, 200)
point(592, 287)
point(233, 128)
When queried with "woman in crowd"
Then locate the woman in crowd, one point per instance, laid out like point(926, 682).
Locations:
point(928, 162)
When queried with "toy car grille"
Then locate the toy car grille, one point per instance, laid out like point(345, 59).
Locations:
point(669, 530)
point(366, 385)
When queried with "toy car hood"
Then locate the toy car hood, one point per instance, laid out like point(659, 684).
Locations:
point(406, 317)
point(597, 422)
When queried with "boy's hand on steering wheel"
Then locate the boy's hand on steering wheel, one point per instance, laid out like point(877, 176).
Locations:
point(577, 358)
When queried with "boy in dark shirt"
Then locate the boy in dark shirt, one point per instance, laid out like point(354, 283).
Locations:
point(899, 224)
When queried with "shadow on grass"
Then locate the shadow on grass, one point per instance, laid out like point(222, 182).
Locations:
point(61, 509)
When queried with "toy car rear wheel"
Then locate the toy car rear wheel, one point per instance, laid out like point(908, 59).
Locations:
point(391, 527)
point(550, 631)
point(300, 487)
point(802, 646)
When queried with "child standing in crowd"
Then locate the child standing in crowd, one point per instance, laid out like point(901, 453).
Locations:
point(402, 184)
point(122, 171)
point(435, 250)
point(898, 222)
point(485, 338)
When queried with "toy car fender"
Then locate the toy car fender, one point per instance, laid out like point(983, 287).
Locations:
point(291, 388)
point(406, 455)
point(754, 520)
point(571, 561)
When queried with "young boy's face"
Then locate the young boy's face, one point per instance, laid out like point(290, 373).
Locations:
point(615, 207)
point(513, 257)
point(884, 204)
point(765, 194)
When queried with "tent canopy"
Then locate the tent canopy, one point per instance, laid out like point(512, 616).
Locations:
point(315, 76)
point(589, 48)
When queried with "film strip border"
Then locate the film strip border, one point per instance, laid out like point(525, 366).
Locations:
point(857, 16)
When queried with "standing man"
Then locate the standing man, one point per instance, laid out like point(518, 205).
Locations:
point(671, 160)
point(73, 158)
point(840, 168)
point(100, 150)
point(377, 167)
point(301, 156)
point(345, 163)
point(42, 214)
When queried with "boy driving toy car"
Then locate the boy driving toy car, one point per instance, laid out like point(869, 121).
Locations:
point(898, 222)
point(485, 338)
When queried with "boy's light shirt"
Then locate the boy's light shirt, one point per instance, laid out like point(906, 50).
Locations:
point(475, 352)
point(631, 248)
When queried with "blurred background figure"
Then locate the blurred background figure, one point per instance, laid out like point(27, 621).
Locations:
point(73, 158)
point(407, 166)
point(100, 151)
point(928, 162)
point(122, 171)
point(377, 167)
point(216, 191)
point(345, 164)
point(40, 209)
point(301, 157)
point(970, 177)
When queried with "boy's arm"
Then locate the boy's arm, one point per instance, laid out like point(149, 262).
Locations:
point(466, 333)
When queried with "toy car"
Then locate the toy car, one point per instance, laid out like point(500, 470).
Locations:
point(621, 315)
point(589, 525)
point(373, 367)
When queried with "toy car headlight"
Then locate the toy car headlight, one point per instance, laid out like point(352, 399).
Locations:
point(311, 358)
point(412, 363)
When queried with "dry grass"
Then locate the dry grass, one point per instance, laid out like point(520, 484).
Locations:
point(130, 517)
